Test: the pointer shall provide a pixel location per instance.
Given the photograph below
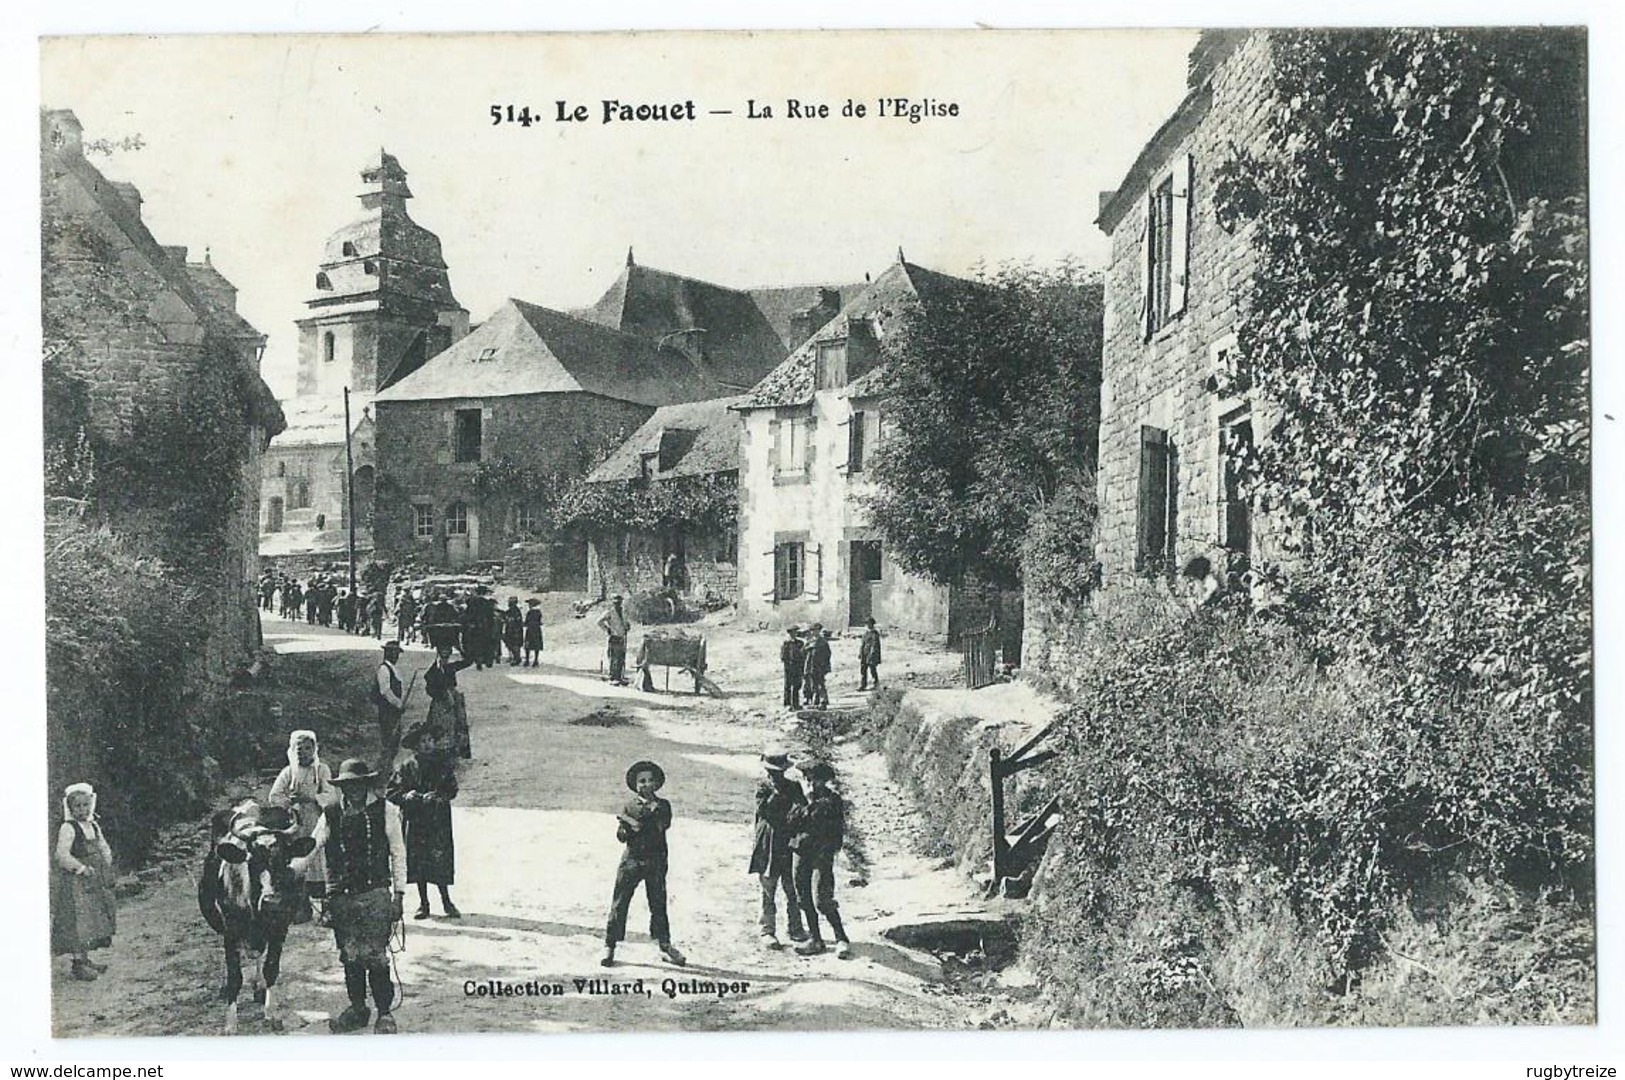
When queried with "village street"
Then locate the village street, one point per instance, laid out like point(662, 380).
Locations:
point(536, 854)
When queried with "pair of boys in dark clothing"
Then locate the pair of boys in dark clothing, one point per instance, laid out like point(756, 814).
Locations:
point(797, 838)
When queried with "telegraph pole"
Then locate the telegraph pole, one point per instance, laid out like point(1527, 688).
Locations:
point(349, 487)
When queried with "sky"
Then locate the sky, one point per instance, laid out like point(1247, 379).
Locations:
point(253, 146)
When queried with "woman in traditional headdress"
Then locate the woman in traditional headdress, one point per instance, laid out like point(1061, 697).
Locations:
point(84, 913)
point(304, 787)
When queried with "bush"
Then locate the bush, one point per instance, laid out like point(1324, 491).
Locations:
point(1244, 828)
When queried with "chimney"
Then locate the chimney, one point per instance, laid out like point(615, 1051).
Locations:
point(64, 133)
point(176, 252)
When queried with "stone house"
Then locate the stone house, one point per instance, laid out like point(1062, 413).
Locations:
point(531, 392)
point(692, 441)
point(136, 327)
point(134, 322)
point(380, 306)
point(807, 552)
point(1168, 503)
point(572, 387)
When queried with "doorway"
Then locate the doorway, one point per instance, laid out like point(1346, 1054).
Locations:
point(865, 558)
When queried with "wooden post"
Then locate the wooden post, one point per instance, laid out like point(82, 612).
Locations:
point(996, 773)
point(349, 488)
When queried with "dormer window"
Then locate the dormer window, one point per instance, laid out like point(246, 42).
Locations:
point(323, 283)
point(349, 248)
point(831, 366)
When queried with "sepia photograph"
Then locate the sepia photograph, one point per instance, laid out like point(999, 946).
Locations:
point(816, 531)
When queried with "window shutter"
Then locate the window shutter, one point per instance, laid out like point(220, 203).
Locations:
point(1146, 256)
point(1181, 254)
point(1152, 539)
point(1170, 530)
point(773, 446)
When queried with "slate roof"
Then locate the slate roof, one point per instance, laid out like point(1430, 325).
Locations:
point(903, 286)
point(709, 442)
point(320, 422)
point(528, 349)
point(120, 202)
point(780, 305)
point(738, 341)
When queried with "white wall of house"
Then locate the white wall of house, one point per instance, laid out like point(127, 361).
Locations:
point(818, 507)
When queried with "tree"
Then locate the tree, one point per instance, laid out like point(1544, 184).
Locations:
point(992, 408)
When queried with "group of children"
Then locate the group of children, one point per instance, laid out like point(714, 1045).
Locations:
point(806, 658)
point(798, 832)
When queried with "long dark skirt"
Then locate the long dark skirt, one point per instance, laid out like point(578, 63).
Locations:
point(431, 855)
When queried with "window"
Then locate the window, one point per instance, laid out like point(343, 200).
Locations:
point(831, 366)
point(299, 497)
point(789, 570)
point(1158, 510)
point(329, 347)
point(648, 465)
point(423, 521)
point(866, 560)
point(792, 444)
point(465, 443)
point(370, 267)
point(322, 282)
point(457, 520)
point(527, 519)
point(854, 443)
point(348, 248)
point(486, 354)
point(1235, 508)
point(1167, 245)
point(281, 469)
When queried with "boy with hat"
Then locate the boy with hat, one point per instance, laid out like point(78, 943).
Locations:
point(366, 879)
point(869, 656)
point(817, 667)
point(792, 657)
point(777, 796)
point(533, 633)
point(818, 830)
point(642, 826)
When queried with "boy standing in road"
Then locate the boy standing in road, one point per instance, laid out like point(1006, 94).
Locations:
point(792, 656)
point(869, 656)
point(777, 796)
point(818, 830)
point(642, 827)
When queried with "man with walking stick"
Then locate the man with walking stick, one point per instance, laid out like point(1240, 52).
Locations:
point(389, 695)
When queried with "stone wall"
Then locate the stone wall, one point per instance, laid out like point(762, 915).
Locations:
point(635, 562)
point(1162, 383)
point(414, 462)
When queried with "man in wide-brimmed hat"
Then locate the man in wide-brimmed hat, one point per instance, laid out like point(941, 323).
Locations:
point(366, 879)
point(777, 797)
point(642, 826)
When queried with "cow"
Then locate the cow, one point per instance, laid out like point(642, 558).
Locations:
point(249, 892)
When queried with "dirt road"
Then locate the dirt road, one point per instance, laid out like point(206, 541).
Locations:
point(536, 854)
